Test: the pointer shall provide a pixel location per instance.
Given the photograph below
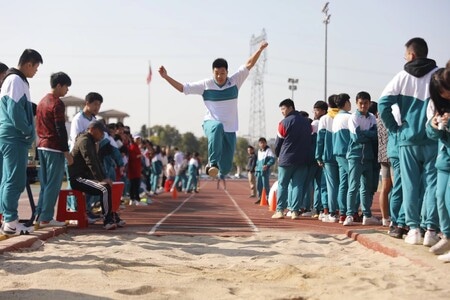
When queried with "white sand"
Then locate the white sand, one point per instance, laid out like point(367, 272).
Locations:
point(269, 265)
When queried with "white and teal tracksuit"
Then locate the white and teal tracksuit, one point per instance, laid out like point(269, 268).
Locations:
point(265, 158)
point(396, 210)
point(221, 120)
point(324, 153)
point(409, 89)
point(17, 133)
point(341, 139)
point(360, 155)
point(443, 176)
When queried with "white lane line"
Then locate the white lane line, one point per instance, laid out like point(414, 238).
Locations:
point(249, 221)
point(157, 225)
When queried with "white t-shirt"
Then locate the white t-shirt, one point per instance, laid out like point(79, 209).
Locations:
point(220, 101)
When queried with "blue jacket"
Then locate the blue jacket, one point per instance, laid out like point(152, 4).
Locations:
point(443, 155)
point(324, 144)
point(293, 145)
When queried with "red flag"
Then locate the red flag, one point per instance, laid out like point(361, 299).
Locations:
point(149, 76)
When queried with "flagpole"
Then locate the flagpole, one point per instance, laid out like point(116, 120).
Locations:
point(148, 113)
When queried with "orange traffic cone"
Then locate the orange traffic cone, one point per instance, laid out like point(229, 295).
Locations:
point(263, 198)
point(174, 193)
point(273, 202)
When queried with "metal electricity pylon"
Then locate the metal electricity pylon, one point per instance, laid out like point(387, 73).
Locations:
point(257, 119)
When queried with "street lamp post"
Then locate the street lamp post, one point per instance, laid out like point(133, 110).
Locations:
point(293, 85)
point(326, 21)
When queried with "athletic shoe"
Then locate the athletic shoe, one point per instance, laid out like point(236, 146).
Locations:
point(385, 222)
point(397, 232)
point(289, 213)
point(51, 223)
point(294, 215)
point(307, 214)
point(16, 228)
point(348, 221)
point(357, 218)
point(368, 221)
point(138, 203)
point(444, 257)
point(212, 171)
point(413, 237)
point(330, 219)
point(342, 219)
point(321, 216)
point(315, 216)
point(430, 238)
point(441, 247)
point(257, 201)
point(278, 215)
point(110, 225)
point(119, 222)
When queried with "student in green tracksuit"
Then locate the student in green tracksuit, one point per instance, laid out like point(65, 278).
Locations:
point(438, 129)
point(17, 134)
point(417, 153)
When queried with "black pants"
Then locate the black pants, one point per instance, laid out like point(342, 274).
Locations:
point(96, 188)
point(135, 184)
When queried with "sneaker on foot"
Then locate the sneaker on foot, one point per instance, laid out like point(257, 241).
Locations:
point(307, 214)
point(289, 213)
point(385, 222)
point(321, 216)
point(51, 223)
point(331, 219)
point(370, 221)
point(348, 221)
point(342, 219)
point(397, 232)
point(138, 203)
point(278, 215)
point(413, 237)
point(16, 228)
point(444, 257)
point(212, 171)
point(118, 221)
point(441, 247)
point(430, 238)
point(110, 225)
point(294, 215)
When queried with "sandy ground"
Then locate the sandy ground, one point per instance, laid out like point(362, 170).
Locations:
point(268, 265)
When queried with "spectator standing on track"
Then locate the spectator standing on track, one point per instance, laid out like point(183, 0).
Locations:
point(251, 164)
point(265, 160)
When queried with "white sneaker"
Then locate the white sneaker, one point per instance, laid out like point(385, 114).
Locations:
point(386, 222)
point(348, 221)
point(370, 221)
point(294, 215)
point(430, 238)
point(52, 223)
point(307, 214)
point(289, 213)
point(444, 257)
point(441, 247)
point(413, 237)
point(278, 215)
point(330, 219)
point(16, 228)
point(138, 203)
point(321, 215)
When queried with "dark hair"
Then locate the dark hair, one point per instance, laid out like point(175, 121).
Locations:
point(250, 147)
point(321, 105)
point(341, 99)
point(304, 114)
point(373, 108)
point(93, 96)
point(3, 67)
point(60, 78)
point(418, 46)
point(112, 126)
point(30, 55)
point(261, 139)
point(437, 85)
point(220, 63)
point(363, 95)
point(288, 103)
point(332, 101)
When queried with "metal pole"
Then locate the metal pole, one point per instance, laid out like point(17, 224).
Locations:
point(326, 46)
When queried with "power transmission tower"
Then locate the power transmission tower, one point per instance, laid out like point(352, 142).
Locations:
point(257, 120)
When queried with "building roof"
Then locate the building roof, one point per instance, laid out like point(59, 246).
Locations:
point(112, 113)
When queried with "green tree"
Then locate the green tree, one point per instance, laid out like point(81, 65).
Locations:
point(165, 135)
point(189, 142)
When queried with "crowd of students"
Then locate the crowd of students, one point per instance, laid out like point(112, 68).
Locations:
point(406, 142)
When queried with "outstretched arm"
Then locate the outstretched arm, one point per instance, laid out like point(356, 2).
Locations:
point(254, 58)
point(163, 72)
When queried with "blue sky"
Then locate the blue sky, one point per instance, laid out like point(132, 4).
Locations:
point(106, 46)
